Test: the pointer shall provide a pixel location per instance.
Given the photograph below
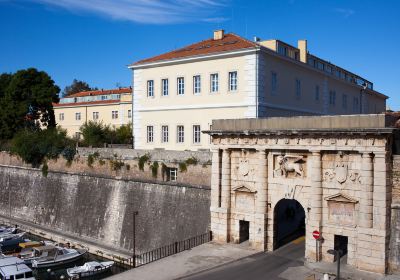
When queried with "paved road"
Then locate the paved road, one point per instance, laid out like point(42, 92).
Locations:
point(260, 266)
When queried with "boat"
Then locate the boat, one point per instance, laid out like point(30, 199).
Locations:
point(10, 242)
point(14, 268)
point(7, 230)
point(50, 255)
point(89, 269)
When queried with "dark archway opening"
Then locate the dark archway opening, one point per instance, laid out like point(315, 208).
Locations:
point(244, 231)
point(289, 220)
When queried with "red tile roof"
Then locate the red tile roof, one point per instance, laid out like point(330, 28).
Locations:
point(99, 102)
point(101, 92)
point(230, 42)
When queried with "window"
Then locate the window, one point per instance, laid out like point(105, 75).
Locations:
point(77, 135)
point(355, 104)
point(164, 134)
point(214, 82)
point(19, 276)
point(282, 50)
point(61, 116)
point(332, 98)
point(78, 116)
point(344, 101)
point(164, 87)
point(129, 113)
point(95, 115)
point(196, 84)
point(316, 93)
point(180, 134)
point(104, 97)
point(114, 115)
point(150, 134)
point(150, 88)
point(233, 81)
point(181, 86)
point(274, 80)
point(196, 134)
point(298, 89)
point(172, 174)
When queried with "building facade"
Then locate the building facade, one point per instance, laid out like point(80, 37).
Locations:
point(178, 94)
point(111, 107)
point(276, 179)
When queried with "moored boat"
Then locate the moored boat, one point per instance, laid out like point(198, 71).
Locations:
point(89, 269)
point(14, 268)
point(10, 242)
point(49, 256)
point(7, 231)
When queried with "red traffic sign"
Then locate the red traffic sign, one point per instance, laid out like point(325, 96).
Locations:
point(316, 234)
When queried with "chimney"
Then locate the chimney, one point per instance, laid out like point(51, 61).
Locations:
point(218, 34)
point(302, 46)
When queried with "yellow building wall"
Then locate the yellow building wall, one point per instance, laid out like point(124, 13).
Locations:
point(105, 115)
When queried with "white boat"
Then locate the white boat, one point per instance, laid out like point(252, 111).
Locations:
point(14, 268)
point(7, 231)
point(49, 256)
point(89, 269)
point(10, 242)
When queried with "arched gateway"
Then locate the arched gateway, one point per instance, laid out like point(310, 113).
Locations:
point(318, 173)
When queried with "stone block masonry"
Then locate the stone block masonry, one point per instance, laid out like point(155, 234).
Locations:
point(101, 208)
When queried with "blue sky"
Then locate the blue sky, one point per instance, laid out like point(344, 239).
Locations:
point(94, 40)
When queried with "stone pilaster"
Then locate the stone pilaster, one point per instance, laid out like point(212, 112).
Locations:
point(215, 180)
point(261, 220)
point(366, 204)
point(314, 216)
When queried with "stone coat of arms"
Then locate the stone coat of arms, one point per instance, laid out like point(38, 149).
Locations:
point(341, 172)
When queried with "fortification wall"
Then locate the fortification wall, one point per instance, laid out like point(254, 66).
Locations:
point(100, 208)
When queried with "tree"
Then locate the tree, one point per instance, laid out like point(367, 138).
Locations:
point(26, 101)
point(94, 133)
point(77, 86)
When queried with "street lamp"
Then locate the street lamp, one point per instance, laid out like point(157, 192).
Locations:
point(362, 90)
point(337, 253)
point(134, 237)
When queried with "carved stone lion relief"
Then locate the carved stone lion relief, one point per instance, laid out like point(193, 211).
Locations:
point(289, 166)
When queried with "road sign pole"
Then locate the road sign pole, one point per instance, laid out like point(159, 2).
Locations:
point(316, 251)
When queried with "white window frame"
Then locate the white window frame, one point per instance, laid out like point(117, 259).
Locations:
point(61, 116)
point(150, 134)
point(196, 134)
point(173, 174)
point(180, 134)
point(95, 116)
point(78, 116)
point(164, 87)
point(214, 83)
point(180, 85)
point(196, 84)
point(164, 134)
point(114, 115)
point(233, 80)
point(150, 88)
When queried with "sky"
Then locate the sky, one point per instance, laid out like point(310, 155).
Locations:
point(95, 40)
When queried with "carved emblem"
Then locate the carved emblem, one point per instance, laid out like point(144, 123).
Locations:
point(244, 167)
point(291, 191)
point(288, 164)
point(329, 175)
point(341, 172)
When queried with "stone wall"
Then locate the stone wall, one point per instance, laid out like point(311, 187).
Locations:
point(394, 258)
point(100, 208)
point(106, 161)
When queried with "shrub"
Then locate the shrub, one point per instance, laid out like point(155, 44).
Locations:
point(90, 160)
point(102, 162)
point(116, 164)
point(154, 169)
point(94, 134)
point(123, 134)
point(34, 146)
point(192, 160)
point(142, 160)
point(69, 153)
point(182, 167)
point(45, 169)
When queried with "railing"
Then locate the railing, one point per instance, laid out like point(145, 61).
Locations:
point(166, 251)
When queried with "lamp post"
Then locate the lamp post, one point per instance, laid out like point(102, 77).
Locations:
point(134, 237)
point(337, 253)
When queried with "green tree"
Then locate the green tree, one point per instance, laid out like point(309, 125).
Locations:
point(94, 133)
point(35, 147)
point(26, 101)
point(123, 134)
point(77, 86)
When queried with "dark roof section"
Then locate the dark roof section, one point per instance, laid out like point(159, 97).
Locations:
point(230, 42)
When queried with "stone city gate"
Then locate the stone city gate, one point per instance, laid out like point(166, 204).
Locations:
point(337, 168)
